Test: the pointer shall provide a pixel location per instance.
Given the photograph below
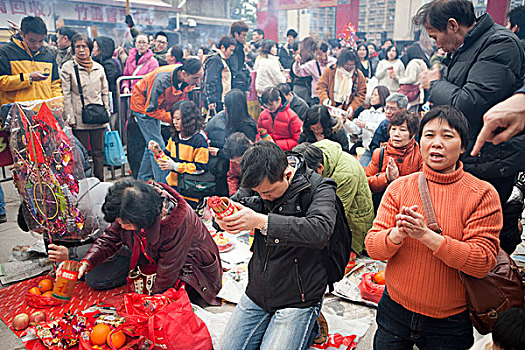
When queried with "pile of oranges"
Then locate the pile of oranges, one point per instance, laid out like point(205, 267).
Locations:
point(45, 288)
point(101, 334)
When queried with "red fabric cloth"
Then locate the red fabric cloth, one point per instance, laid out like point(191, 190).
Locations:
point(12, 303)
point(285, 129)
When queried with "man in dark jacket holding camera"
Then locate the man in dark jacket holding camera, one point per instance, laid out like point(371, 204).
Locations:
point(287, 274)
point(241, 78)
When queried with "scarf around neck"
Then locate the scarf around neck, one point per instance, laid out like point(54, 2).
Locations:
point(86, 63)
point(343, 85)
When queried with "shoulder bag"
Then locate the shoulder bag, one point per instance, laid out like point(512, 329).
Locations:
point(92, 113)
point(489, 296)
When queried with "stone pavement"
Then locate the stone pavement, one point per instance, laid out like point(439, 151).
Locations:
point(11, 235)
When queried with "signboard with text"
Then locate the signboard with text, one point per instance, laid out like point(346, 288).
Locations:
point(301, 4)
point(15, 10)
point(111, 14)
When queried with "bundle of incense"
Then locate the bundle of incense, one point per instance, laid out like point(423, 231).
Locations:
point(66, 281)
point(158, 153)
point(263, 133)
point(222, 206)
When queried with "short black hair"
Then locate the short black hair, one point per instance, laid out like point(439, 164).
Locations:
point(390, 48)
point(405, 116)
point(161, 33)
point(177, 52)
point(509, 329)
point(374, 45)
point(266, 46)
point(346, 55)
point(264, 160)
point(291, 32)
point(259, 31)
point(236, 145)
point(516, 17)
point(437, 13)
point(32, 24)
point(452, 116)
point(67, 32)
point(134, 202)
point(226, 41)
point(83, 37)
point(335, 43)
point(192, 66)
point(271, 94)
point(313, 156)
point(321, 45)
point(387, 39)
point(284, 88)
point(238, 27)
point(363, 44)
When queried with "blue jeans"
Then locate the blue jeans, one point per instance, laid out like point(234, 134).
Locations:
point(150, 129)
point(2, 201)
point(399, 328)
point(251, 327)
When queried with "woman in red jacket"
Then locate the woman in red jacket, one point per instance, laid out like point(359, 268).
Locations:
point(279, 120)
point(401, 156)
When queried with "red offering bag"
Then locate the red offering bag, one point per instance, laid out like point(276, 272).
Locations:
point(370, 290)
point(167, 319)
point(133, 341)
point(39, 301)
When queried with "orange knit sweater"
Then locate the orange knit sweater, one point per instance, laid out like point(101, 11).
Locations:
point(468, 211)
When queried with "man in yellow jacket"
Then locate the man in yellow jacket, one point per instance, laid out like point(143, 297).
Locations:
point(28, 71)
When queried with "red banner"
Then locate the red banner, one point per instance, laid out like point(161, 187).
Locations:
point(301, 4)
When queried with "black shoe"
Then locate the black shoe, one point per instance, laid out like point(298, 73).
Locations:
point(3, 218)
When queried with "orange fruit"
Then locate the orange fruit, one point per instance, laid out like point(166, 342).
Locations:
point(118, 338)
point(35, 291)
point(379, 277)
point(45, 285)
point(48, 294)
point(99, 334)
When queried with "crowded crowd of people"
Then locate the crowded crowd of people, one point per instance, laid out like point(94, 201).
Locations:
point(359, 123)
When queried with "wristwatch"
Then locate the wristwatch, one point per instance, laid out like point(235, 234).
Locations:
point(264, 229)
point(30, 79)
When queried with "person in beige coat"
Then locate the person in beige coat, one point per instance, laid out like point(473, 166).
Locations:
point(95, 90)
point(389, 70)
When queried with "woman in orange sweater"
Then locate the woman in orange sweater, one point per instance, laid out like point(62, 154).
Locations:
point(424, 302)
point(401, 155)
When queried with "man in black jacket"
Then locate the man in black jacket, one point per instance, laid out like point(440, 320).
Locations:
point(241, 78)
point(485, 65)
point(287, 275)
point(217, 76)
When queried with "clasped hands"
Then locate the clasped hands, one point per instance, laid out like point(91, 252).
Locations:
point(409, 223)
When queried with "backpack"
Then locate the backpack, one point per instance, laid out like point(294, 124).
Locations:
point(340, 245)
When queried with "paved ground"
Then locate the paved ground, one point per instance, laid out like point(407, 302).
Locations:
point(11, 235)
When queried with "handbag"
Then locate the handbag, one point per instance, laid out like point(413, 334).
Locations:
point(489, 296)
point(411, 91)
point(114, 154)
point(92, 113)
point(196, 186)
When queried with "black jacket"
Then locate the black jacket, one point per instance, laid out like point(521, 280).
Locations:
point(338, 136)
point(286, 56)
point(241, 78)
point(485, 70)
point(299, 106)
point(212, 81)
point(287, 267)
point(111, 67)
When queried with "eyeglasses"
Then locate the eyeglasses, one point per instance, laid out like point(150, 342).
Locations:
point(142, 42)
point(161, 42)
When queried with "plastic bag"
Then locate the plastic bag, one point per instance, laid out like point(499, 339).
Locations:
point(167, 319)
point(39, 301)
point(114, 154)
point(370, 290)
